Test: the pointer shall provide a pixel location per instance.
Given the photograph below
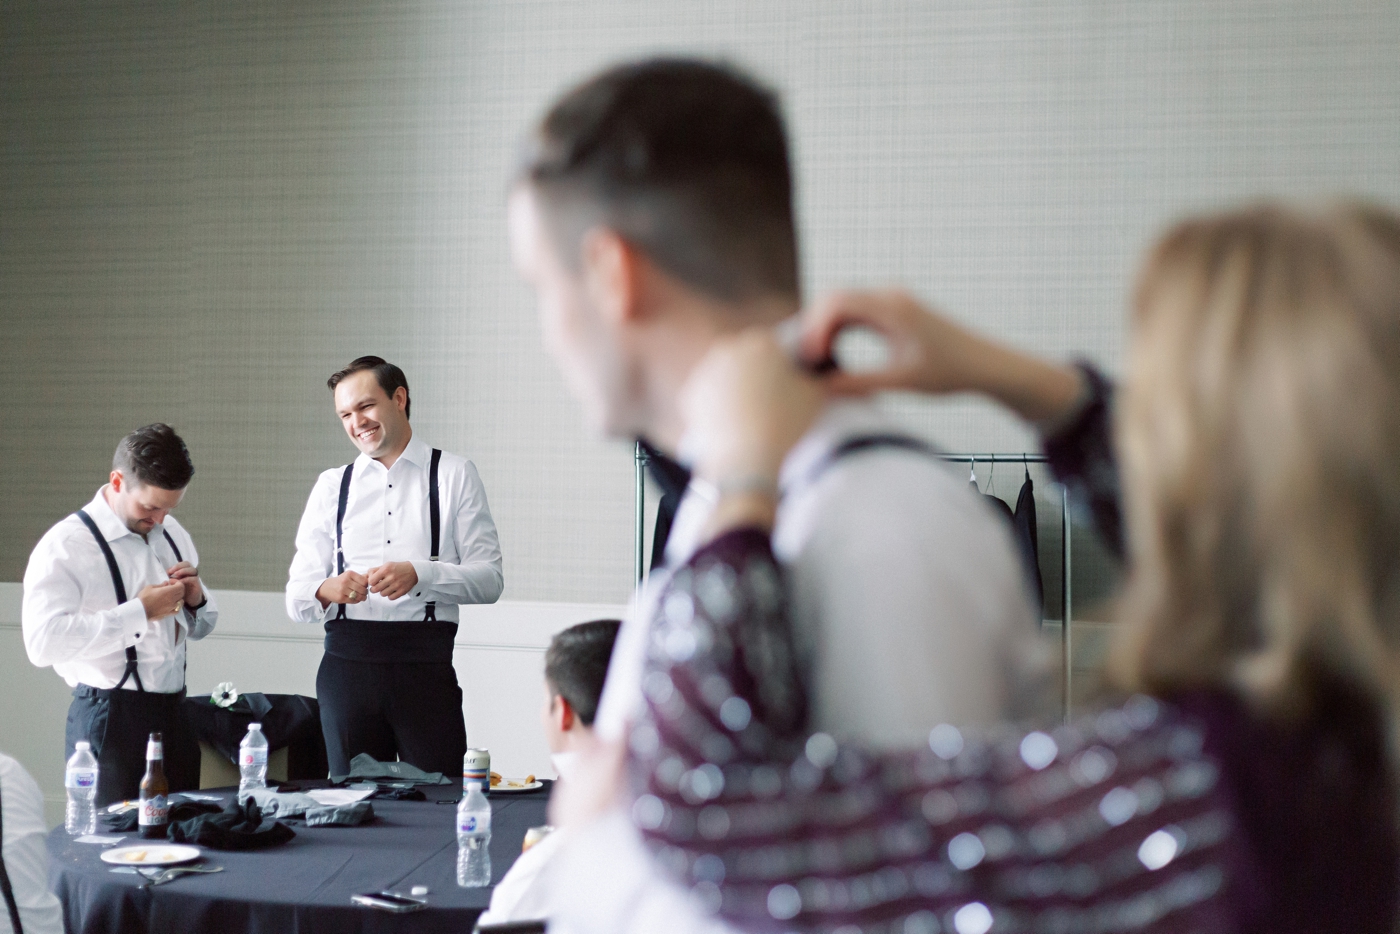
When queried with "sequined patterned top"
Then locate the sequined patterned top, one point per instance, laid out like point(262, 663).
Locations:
point(1190, 816)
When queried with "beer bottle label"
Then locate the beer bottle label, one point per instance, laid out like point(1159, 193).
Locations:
point(153, 750)
point(155, 811)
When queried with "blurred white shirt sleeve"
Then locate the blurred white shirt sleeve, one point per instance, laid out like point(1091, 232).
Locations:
point(26, 857)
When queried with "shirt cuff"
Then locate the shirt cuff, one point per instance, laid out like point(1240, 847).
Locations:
point(131, 615)
point(427, 575)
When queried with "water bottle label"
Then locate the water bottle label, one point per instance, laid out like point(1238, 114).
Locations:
point(253, 757)
point(474, 823)
point(82, 778)
point(155, 811)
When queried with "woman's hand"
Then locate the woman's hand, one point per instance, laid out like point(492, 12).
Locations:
point(931, 354)
point(744, 407)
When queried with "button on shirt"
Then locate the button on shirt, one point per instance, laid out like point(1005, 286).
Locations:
point(387, 519)
point(70, 615)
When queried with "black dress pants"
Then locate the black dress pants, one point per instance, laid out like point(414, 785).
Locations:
point(117, 723)
point(392, 710)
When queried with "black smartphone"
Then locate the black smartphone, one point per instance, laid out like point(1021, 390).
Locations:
point(388, 901)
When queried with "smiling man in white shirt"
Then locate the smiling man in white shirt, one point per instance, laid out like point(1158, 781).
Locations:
point(387, 549)
point(112, 596)
point(654, 216)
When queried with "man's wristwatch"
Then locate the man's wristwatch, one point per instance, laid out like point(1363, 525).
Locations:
point(201, 604)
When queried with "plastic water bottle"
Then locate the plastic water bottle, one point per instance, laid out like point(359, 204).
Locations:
point(252, 760)
point(474, 839)
point(80, 779)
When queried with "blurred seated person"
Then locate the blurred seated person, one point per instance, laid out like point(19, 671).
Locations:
point(1256, 438)
point(25, 862)
point(575, 666)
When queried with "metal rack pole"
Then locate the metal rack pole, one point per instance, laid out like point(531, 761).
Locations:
point(639, 459)
point(1066, 603)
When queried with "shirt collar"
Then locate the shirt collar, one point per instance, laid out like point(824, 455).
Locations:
point(108, 523)
point(417, 452)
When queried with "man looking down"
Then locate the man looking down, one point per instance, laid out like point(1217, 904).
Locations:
point(112, 597)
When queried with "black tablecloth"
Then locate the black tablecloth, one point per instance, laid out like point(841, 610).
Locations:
point(305, 885)
point(289, 720)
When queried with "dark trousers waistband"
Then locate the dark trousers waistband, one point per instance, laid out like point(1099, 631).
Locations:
point(374, 640)
point(87, 690)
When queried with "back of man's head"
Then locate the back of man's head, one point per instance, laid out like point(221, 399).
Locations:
point(576, 665)
point(154, 456)
point(687, 161)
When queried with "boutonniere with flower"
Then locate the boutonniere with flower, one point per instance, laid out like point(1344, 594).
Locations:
point(225, 695)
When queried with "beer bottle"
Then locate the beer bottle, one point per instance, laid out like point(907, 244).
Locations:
point(155, 791)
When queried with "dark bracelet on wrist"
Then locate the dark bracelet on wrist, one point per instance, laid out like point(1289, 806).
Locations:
point(201, 606)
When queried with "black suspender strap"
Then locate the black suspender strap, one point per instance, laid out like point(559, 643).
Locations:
point(435, 518)
point(866, 443)
point(339, 521)
point(434, 514)
point(120, 587)
point(173, 547)
point(5, 888)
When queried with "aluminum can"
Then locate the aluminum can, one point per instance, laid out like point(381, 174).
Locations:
point(476, 767)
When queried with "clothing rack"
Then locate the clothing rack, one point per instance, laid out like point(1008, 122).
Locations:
point(640, 460)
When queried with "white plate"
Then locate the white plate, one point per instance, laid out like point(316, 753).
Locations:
point(502, 789)
point(152, 854)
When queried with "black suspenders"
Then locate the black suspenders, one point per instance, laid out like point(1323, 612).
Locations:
point(120, 587)
point(868, 442)
point(5, 888)
point(434, 514)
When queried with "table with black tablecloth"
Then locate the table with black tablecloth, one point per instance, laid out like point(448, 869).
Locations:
point(304, 885)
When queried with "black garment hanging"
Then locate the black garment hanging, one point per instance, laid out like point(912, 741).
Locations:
point(117, 722)
point(1028, 538)
point(6, 889)
point(1022, 523)
point(388, 687)
point(673, 478)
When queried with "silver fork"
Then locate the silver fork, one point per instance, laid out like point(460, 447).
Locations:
point(174, 872)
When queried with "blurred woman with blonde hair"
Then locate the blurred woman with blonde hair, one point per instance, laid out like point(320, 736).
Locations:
point(1256, 438)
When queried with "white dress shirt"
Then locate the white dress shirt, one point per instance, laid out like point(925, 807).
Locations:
point(70, 615)
point(26, 857)
point(387, 519)
point(910, 608)
point(523, 893)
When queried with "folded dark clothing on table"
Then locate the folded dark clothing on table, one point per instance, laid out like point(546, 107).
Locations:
point(366, 766)
point(126, 821)
point(392, 793)
point(236, 827)
point(345, 815)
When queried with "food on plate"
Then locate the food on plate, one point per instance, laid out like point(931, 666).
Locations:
point(495, 779)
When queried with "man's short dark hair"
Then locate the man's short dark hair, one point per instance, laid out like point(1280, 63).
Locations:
point(687, 161)
point(389, 376)
point(576, 664)
point(155, 456)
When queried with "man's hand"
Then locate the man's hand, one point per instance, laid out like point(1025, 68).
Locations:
point(162, 600)
point(350, 587)
point(594, 785)
point(393, 580)
point(188, 574)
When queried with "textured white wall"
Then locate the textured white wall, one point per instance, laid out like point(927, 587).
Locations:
point(204, 208)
